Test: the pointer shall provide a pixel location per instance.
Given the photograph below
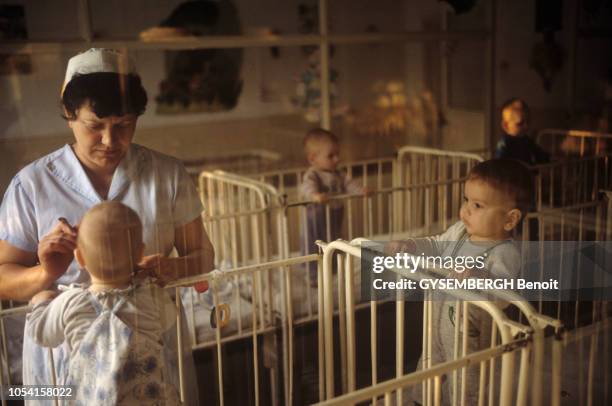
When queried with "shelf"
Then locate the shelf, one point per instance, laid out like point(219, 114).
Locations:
point(187, 43)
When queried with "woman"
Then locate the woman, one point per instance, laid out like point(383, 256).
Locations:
point(102, 98)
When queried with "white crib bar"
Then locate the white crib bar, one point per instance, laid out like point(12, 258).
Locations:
point(384, 388)
point(422, 181)
point(554, 139)
point(352, 250)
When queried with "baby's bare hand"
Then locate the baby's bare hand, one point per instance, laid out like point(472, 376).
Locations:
point(319, 197)
point(43, 296)
point(158, 267)
point(469, 273)
point(367, 191)
point(393, 247)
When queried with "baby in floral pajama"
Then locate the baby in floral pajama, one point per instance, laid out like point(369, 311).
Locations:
point(321, 182)
point(112, 330)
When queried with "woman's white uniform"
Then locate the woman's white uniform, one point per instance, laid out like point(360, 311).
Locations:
point(155, 185)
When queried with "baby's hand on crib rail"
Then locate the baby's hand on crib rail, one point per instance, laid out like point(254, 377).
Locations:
point(393, 247)
point(469, 273)
point(156, 266)
point(161, 269)
point(319, 197)
point(368, 191)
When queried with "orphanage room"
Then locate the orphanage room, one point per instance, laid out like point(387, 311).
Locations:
point(296, 202)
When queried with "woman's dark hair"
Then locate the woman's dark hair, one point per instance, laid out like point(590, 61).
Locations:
point(109, 94)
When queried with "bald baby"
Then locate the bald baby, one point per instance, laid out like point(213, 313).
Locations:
point(109, 243)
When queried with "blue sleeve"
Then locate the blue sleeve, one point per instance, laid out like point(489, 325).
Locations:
point(187, 204)
point(500, 149)
point(18, 224)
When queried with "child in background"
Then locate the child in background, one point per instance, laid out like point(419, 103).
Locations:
point(498, 194)
point(515, 141)
point(321, 181)
point(113, 329)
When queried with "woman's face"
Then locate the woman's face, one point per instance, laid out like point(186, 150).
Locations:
point(101, 143)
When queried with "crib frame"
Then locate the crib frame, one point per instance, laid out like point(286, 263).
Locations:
point(269, 209)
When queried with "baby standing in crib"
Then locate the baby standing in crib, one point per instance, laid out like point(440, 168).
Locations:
point(498, 194)
point(515, 142)
point(320, 182)
point(113, 328)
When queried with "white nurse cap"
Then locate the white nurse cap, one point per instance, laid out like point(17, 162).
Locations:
point(97, 60)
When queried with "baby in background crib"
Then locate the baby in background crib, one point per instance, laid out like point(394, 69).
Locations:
point(498, 194)
point(321, 181)
point(515, 142)
point(113, 329)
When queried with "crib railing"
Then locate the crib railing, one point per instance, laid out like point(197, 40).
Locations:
point(342, 305)
point(260, 321)
point(427, 194)
point(238, 219)
point(239, 208)
point(546, 344)
point(563, 143)
point(289, 275)
point(419, 166)
point(351, 254)
point(372, 173)
point(10, 312)
point(382, 393)
point(596, 362)
point(572, 181)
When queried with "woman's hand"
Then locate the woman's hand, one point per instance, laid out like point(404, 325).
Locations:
point(56, 250)
point(196, 256)
point(157, 266)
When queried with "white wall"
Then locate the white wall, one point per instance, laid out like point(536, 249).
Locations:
point(516, 37)
point(574, 99)
point(32, 108)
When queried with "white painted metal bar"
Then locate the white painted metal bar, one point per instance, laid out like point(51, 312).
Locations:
point(350, 325)
point(321, 327)
point(287, 368)
point(179, 341)
point(399, 341)
point(256, 290)
point(419, 376)
point(5, 357)
point(425, 151)
point(214, 287)
point(374, 343)
point(342, 320)
point(597, 142)
point(53, 372)
point(497, 315)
